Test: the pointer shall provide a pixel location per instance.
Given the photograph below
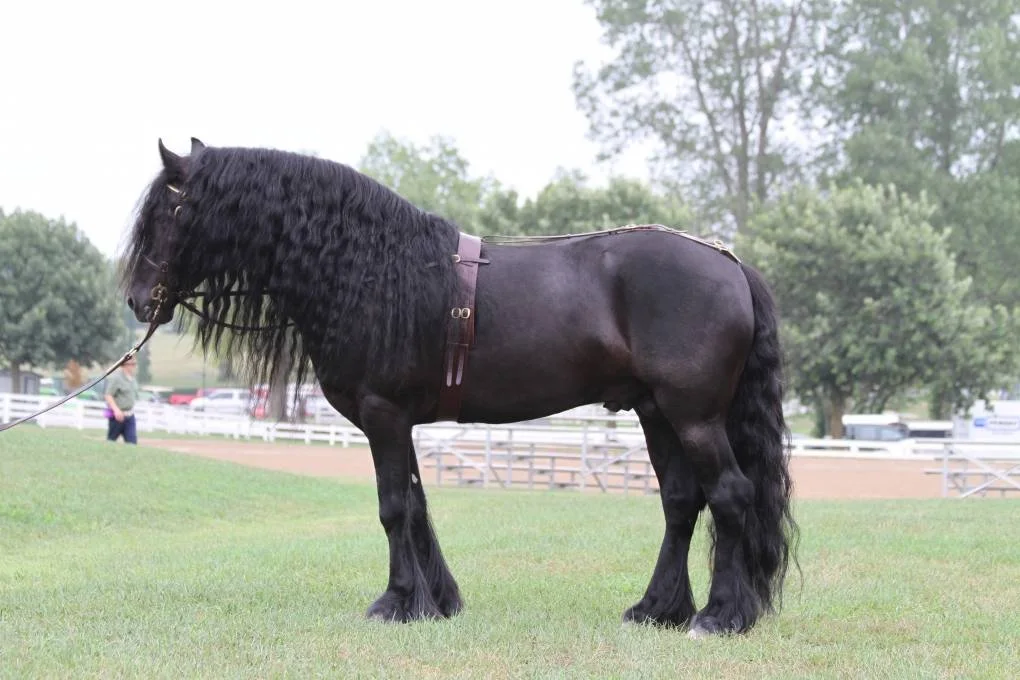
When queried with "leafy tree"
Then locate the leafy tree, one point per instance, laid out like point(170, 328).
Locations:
point(925, 94)
point(982, 357)
point(434, 177)
point(437, 179)
point(569, 205)
point(57, 295)
point(936, 76)
point(501, 214)
point(710, 83)
point(871, 301)
point(983, 213)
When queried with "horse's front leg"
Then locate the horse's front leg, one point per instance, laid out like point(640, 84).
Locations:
point(420, 584)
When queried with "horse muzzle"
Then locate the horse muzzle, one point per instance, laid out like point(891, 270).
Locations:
point(158, 308)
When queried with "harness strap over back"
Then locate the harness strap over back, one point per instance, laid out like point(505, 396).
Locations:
point(460, 329)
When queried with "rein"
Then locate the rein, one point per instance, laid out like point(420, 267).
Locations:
point(182, 301)
point(127, 355)
point(161, 291)
point(160, 294)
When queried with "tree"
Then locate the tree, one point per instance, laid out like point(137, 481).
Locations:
point(871, 301)
point(937, 76)
point(569, 205)
point(983, 212)
point(925, 94)
point(982, 357)
point(57, 295)
point(434, 177)
point(710, 83)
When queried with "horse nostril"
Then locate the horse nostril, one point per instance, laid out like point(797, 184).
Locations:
point(131, 303)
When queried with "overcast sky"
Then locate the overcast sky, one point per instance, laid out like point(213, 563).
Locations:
point(88, 87)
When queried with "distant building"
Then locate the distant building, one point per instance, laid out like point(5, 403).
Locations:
point(30, 382)
point(994, 420)
point(893, 427)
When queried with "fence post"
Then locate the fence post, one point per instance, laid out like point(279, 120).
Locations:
point(584, 453)
point(945, 469)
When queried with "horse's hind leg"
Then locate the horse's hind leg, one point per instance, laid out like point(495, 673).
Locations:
point(733, 604)
point(420, 585)
point(668, 599)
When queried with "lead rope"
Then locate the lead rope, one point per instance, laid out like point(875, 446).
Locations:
point(232, 326)
point(127, 355)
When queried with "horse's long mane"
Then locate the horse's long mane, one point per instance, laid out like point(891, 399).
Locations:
point(270, 237)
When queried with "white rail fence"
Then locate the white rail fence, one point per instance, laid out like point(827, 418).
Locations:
point(585, 448)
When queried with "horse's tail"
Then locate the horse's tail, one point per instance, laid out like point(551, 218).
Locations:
point(758, 436)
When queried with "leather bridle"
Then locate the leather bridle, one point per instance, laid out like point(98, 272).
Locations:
point(161, 292)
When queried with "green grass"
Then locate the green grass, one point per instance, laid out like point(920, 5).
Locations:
point(120, 561)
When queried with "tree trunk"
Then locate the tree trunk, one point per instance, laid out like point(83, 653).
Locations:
point(72, 376)
point(821, 423)
point(225, 371)
point(15, 378)
point(278, 397)
point(278, 385)
point(939, 407)
point(835, 407)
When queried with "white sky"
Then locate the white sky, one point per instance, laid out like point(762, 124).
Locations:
point(88, 87)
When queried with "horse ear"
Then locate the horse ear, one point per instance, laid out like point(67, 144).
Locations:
point(196, 146)
point(172, 162)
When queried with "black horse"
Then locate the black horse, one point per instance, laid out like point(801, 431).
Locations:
point(329, 271)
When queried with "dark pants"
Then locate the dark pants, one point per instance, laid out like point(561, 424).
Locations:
point(126, 428)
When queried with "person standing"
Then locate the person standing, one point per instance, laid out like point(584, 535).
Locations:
point(121, 394)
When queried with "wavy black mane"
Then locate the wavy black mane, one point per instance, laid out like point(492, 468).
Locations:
point(367, 275)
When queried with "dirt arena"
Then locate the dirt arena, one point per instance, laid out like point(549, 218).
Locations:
point(830, 478)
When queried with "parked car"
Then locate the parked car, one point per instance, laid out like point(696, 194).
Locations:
point(150, 396)
point(311, 402)
point(155, 393)
point(231, 400)
point(183, 397)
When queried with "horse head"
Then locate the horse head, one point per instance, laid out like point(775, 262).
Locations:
point(153, 280)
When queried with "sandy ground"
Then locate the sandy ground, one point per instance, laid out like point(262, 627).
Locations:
point(831, 478)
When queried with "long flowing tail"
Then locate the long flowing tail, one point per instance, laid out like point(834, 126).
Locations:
point(758, 436)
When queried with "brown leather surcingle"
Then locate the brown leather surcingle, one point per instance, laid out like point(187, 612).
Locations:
point(460, 330)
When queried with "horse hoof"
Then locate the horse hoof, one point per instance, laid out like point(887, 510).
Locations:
point(387, 609)
point(390, 608)
point(637, 617)
point(698, 629)
point(641, 616)
point(706, 626)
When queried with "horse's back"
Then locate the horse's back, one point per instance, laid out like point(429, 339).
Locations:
point(626, 277)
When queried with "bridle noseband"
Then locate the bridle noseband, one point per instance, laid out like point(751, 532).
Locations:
point(160, 292)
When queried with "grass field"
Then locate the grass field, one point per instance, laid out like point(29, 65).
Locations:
point(121, 561)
